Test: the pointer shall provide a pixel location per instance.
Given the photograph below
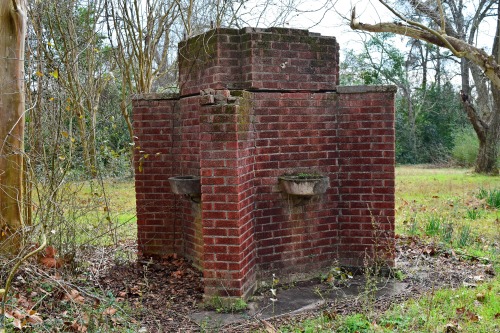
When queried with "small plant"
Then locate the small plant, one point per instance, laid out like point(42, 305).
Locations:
point(337, 274)
point(226, 305)
point(482, 194)
point(399, 275)
point(413, 227)
point(492, 197)
point(354, 323)
point(465, 236)
point(473, 214)
point(306, 175)
point(433, 225)
point(447, 232)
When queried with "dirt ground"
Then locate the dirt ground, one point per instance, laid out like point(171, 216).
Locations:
point(162, 296)
point(170, 291)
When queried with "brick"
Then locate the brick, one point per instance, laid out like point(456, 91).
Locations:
point(248, 224)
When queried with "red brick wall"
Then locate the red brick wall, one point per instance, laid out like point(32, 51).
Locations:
point(153, 120)
point(167, 144)
point(253, 58)
point(289, 117)
point(366, 173)
point(227, 169)
point(295, 132)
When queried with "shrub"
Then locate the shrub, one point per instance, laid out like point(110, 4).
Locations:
point(466, 145)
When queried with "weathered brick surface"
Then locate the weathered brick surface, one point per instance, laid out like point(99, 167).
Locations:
point(366, 174)
point(167, 144)
point(295, 132)
point(227, 163)
point(251, 58)
point(269, 105)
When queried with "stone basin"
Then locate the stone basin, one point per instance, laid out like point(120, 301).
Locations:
point(304, 186)
point(189, 185)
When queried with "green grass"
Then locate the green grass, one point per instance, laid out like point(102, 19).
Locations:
point(451, 195)
point(492, 197)
point(114, 214)
point(87, 213)
point(474, 310)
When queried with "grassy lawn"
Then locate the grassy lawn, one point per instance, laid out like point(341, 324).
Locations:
point(447, 310)
point(445, 204)
point(90, 213)
point(116, 200)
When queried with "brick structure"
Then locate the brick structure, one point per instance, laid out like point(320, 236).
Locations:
point(256, 104)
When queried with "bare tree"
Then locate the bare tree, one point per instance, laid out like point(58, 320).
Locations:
point(458, 34)
point(12, 107)
point(69, 38)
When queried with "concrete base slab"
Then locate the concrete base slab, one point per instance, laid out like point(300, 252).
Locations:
point(302, 297)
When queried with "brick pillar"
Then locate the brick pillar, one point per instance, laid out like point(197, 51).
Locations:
point(227, 196)
point(158, 233)
point(366, 178)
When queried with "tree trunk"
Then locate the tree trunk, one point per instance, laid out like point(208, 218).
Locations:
point(12, 34)
point(488, 146)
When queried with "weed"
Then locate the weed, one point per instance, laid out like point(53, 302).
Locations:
point(337, 274)
point(492, 197)
point(433, 225)
point(447, 232)
point(393, 323)
point(413, 229)
point(399, 275)
point(465, 236)
point(482, 194)
point(319, 293)
point(226, 305)
point(354, 323)
point(306, 175)
point(473, 214)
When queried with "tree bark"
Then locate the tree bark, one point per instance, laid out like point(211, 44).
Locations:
point(12, 34)
point(488, 146)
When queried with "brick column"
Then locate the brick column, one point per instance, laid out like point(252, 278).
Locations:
point(366, 178)
point(227, 196)
point(157, 233)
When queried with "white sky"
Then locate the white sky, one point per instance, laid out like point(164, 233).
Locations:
point(336, 21)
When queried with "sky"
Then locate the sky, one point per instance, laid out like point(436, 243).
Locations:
point(335, 22)
point(331, 19)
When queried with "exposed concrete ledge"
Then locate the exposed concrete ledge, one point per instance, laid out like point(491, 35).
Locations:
point(155, 96)
point(366, 89)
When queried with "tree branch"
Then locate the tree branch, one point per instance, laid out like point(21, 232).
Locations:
point(424, 28)
point(441, 14)
point(479, 126)
point(423, 8)
point(462, 49)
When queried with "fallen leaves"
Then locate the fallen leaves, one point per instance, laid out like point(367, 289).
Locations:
point(75, 326)
point(164, 289)
point(49, 260)
point(467, 314)
point(74, 296)
point(21, 319)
